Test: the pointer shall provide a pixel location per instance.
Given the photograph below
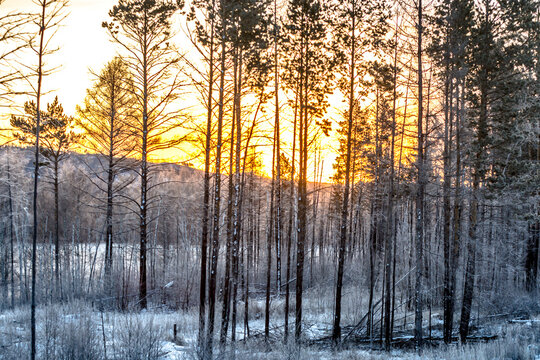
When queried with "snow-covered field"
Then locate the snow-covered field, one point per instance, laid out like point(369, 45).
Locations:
point(78, 331)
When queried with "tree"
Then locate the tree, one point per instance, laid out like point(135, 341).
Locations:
point(366, 19)
point(14, 39)
point(142, 29)
point(57, 139)
point(105, 118)
point(214, 252)
point(420, 161)
point(208, 41)
point(50, 15)
point(450, 48)
point(513, 128)
point(309, 72)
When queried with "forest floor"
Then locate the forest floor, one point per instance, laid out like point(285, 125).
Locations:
point(78, 328)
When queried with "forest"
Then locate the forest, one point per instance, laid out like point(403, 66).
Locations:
point(271, 179)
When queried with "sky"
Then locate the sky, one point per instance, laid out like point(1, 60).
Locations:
point(83, 45)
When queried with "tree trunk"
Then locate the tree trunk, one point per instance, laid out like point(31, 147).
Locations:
point(336, 331)
point(269, 237)
point(144, 187)
point(447, 248)
point(109, 215)
point(216, 216)
point(11, 231)
point(56, 233)
point(419, 238)
point(206, 199)
point(390, 234)
point(225, 313)
point(291, 226)
point(40, 54)
point(531, 259)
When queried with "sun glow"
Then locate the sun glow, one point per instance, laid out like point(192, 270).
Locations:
point(83, 45)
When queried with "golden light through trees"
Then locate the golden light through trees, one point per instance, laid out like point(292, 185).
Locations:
point(85, 47)
point(337, 175)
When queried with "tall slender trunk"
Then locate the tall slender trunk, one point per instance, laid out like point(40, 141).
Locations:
point(390, 235)
point(302, 193)
point(419, 238)
point(278, 154)
point(206, 197)
point(478, 173)
point(109, 213)
point(336, 331)
point(447, 295)
point(468, 289)
point(531, 258)
point(455, 246)
point(291, 225)
point(269, 233)
point(225, 310)
point(36, 178)
point(143, 206)
point(238, 194)
point(400, 163)
point(11, 231)
point(56, 233)
point(217, 203)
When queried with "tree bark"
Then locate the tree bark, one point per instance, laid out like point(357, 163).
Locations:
point(217, 203)
point(206, 198)
point(419, 238)
point(40, 53)
point(336, 331)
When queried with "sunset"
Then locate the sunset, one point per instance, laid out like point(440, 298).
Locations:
point(269, 179)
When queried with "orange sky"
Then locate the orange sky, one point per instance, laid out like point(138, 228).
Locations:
point(84, 44)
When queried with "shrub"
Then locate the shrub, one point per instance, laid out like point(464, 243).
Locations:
point(138, 338)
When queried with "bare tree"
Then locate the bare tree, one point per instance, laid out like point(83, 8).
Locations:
point(15, 37)
point(143, 31)
point(419, 237)
point(51, 13)
point(104, 118)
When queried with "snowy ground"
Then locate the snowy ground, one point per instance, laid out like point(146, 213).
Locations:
point(82, 328)
point(67, 326)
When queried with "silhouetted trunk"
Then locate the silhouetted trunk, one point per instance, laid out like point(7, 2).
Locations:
point(237, 206)
point(269, 237)
point(11, 232)
point(206, 198)
point(390, 234)
point(419, 238)
point(447, 248)
point(336, 331)
point(531, 258)
point(302, 206)
point(217, 208)
point(478, 174)
point(109, 212)
point(291, 226)
point(40, 54)
point(143, 206)
point(225, 309)
point(56, 233)
point(278, 154)
point(468, 287)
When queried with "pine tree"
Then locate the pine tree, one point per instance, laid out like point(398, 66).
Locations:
point(365, 25)
point(450, 47)
point(105, 120)
point(309, 71)
point(57, 138)
point(142, 29)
